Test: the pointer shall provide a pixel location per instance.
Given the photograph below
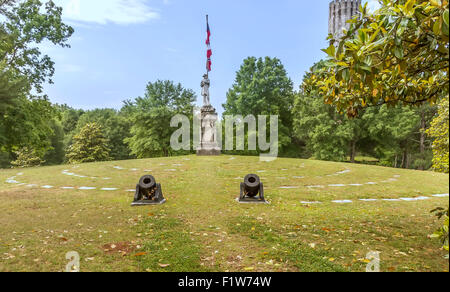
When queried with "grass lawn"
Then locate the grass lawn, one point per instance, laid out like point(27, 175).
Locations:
point(203, 228)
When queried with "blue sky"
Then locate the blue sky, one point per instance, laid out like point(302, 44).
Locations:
point(121, 45)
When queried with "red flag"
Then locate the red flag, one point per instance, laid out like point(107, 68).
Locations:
point(208, 45)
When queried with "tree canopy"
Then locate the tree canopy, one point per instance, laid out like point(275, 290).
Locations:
point(262, 87)
point(90, 145)
point(151, 116)
point(26, 120)
point(399, 54)
point(439, 131)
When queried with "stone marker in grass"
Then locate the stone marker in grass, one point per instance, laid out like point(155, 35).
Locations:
point(148, 192)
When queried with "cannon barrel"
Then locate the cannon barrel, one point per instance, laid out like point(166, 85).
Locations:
point(252, 184)
point(147, 182)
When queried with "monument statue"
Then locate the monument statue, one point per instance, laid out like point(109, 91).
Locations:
point(209, 144)
point(208, 117)
point(205, 90)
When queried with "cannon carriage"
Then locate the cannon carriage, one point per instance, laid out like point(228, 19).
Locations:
point(148, 192)
point(252, 190)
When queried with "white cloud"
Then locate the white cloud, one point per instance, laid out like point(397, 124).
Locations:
point(107, 11)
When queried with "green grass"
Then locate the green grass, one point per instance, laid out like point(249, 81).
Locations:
point(203, 228)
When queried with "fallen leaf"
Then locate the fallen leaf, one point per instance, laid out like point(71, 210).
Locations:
point(164, 265)
point(249, 269)
point(140, 254)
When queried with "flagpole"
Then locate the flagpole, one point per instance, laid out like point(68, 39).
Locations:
point(207, 22)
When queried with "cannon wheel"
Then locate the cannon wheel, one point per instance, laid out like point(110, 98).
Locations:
point(261, 192)
point(158, 194)
point(242, 195)
point(138, 195)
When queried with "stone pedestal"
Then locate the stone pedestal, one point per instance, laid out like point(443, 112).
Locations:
point(208, 135)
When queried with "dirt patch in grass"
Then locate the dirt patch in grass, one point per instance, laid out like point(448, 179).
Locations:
point(122, 248)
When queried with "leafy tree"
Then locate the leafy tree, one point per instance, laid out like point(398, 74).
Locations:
point(439, 132)
point(25, 120)
point(151, 116)
point(28, 23)
point(115, 126)
point(10, 90)
point(442, 233)
point(56, 154)
point(394, 135)
point(90, 145)
point(28, 124)
point(69, 117)
point(397, 134)
point(262, 87)
point(6, 4)
point(324, 131)
point(399, 54)
point(27, 157)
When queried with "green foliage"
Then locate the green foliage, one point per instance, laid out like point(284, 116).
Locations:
point(399, 54)
point(27, 23)
point(10, 90)
point(26, 120)
point(439, 131)
point(262, 87)
point(90, 145)
point(56, 154)
point(151, 116)
point(115, 126)
point(27, 124)
point(325, 132)
point(442, 233)
point(394, 135)
point(27, 157)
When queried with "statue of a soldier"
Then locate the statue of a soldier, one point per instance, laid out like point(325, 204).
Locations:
point(205, 90)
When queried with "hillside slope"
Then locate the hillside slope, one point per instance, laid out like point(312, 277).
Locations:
point(323, 216)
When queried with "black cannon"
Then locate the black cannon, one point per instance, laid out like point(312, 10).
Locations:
point(148, 192)
point(252, 190)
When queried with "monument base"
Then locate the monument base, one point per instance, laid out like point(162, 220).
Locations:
point(209, 146)
point(209, 152)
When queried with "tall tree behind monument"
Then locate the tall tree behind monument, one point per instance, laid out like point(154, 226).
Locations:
point(262, 87)
point(151, 116)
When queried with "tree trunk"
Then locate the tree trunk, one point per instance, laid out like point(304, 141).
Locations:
point(403, 159)
point(396, 161)
point(353, 151)
point(422, 139)
point(408, 161)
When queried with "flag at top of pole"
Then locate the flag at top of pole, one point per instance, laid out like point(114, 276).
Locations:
point(208, 45)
